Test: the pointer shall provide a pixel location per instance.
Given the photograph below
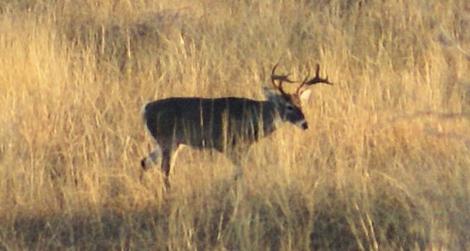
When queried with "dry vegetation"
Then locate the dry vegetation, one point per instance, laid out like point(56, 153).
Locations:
point(385, 165)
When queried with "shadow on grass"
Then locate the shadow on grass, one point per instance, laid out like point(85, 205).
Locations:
point(104, 231)
point(226, 216)
point(178, 222)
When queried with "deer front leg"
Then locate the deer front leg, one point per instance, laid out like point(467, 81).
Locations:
point(237, 156)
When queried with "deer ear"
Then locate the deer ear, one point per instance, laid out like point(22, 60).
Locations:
point(305, 95)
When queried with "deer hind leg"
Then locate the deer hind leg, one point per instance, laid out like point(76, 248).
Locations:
point(166, 164)
point(153, 157)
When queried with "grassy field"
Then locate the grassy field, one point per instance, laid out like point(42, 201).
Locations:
point(385, 164)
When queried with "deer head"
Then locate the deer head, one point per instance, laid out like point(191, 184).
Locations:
point(289, 106)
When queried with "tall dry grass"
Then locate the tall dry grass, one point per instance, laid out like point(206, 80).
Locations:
point(385, 165)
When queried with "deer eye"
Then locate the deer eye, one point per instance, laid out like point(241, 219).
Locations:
point(290, 108)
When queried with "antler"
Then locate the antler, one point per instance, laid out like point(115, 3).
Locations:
point(280, 78)
point(315, 80)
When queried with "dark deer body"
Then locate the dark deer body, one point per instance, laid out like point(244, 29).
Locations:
point(210, 123)
point(228, 124)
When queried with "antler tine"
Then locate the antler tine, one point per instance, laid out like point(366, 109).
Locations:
point(281, 79)
point(315, 80)
point(273, 76)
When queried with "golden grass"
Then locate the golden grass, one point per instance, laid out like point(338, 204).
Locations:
point(385, 165)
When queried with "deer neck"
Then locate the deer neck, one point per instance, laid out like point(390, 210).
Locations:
point(271, 118)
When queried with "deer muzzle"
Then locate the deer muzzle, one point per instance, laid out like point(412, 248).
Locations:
point(302, 124)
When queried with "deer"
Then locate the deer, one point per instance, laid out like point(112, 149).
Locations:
point(229, 125)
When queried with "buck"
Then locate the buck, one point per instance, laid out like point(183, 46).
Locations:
point(228, 125)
